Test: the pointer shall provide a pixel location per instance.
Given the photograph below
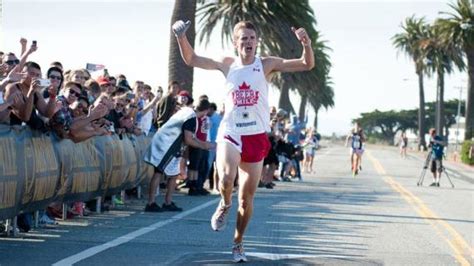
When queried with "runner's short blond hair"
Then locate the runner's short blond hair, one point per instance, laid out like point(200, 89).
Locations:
point(243, 25)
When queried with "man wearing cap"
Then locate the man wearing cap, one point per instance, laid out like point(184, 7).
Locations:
point(105, 85)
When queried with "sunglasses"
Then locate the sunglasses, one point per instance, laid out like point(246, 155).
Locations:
point(55, 77)
point(75, 93)
point(12, 62)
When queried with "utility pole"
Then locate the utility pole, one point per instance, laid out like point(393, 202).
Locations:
point(458, 117)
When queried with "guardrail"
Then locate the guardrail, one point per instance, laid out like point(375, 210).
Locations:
point(37, 169)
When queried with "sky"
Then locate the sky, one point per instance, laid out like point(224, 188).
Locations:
point(132, 38)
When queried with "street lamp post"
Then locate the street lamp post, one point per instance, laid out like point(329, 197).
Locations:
point(458, 117)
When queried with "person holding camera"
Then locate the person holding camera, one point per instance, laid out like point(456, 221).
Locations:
point(437, 151)
point(242, 138)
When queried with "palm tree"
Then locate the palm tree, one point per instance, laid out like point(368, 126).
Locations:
point(458, 28)
point(177, 69)
point(324, 99)
point(274, 19)
point(414, 31)
point(442, 59)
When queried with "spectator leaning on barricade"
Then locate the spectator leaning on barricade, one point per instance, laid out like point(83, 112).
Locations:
point(105, 86)
point(10, 60)
point(93, 90)
point(145, 115)
point(77, 76)
point(57, 64)
point(30, 90)
point(165, 151)
point(56, 78)
point(11, 67)
point(65, 125)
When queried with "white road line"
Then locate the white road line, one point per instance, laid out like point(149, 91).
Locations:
point(276, 256)
point(130, 236)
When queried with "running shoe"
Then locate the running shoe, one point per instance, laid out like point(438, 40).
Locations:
point(219, 219)
point(239, 253)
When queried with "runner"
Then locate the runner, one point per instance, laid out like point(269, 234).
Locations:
point(242, 140)
point(310, 145)
point(403, 142)
point(357, 139)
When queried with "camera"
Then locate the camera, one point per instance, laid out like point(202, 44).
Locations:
point(130, 96)
point(44, 82)
point(34, 43)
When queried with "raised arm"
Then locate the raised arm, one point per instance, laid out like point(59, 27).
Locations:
point(24, 55)
point(150, 105)
point(187, 52)
point(46, 109)
point(304, 63)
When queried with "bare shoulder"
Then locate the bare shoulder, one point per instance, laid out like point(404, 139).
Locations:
point(269, 63)
point(228, 60)
point(225, 63)
point(10, 88)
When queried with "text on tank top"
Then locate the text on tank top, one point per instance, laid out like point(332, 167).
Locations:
point(247, 110)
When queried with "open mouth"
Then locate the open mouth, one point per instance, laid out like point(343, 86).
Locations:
point(248, 49)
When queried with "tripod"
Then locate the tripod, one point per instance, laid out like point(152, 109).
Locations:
point(425, 166)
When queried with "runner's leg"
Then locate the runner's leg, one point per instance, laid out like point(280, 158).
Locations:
point(248, 180)
point(227, 162)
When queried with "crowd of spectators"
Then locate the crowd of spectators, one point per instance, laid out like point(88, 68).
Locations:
point(70, 104)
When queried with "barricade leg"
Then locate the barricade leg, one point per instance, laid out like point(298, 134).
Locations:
point(36, 219)
point(7, 227)
point(98, 202)
point(64, 214)
point(139, 192)
point(15, 227)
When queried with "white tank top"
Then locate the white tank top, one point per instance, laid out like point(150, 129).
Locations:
point(246, 104)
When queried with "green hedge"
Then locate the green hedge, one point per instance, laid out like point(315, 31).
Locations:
point(466, 145)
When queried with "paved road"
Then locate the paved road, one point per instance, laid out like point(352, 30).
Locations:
point(379, 217)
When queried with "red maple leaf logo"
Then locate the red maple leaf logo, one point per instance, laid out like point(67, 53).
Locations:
point(244, 86)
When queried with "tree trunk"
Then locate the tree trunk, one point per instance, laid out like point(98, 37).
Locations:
point(421, 114)
point(439, 117)
point(316, 111)
point(469, 133)
point(302, 112)
point(284, 101)
point(177, 69)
